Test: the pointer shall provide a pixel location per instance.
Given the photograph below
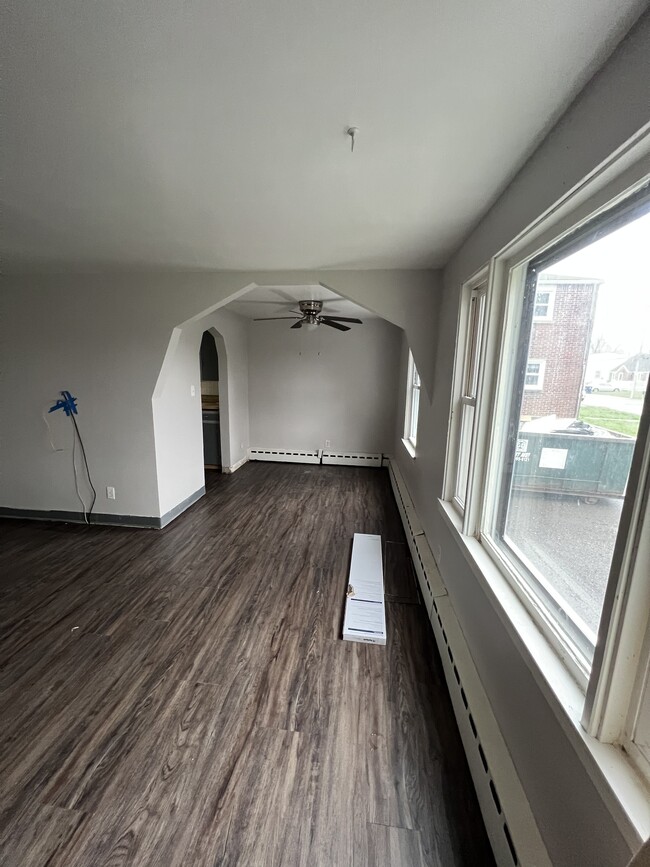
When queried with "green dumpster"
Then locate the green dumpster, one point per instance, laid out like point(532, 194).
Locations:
point(590, 466)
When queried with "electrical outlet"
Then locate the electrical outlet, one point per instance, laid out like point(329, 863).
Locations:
point(110, 492)
point(327, 443)
point(193, 390)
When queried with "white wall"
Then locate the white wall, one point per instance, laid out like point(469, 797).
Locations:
point(309, 386)
point(569, 807)
point(177, 417)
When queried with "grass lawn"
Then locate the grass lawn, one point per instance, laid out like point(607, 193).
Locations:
point(638, 394)
point(612, 419)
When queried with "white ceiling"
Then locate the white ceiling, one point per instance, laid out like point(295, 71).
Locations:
point(211, 134)
point(275, 301)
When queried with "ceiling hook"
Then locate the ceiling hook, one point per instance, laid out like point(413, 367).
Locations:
point(352, 131)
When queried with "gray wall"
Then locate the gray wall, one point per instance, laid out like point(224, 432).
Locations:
point(569, 807)
point(112, 340)
point(306, 387)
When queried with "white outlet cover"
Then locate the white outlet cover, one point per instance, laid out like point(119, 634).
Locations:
point(193, 390)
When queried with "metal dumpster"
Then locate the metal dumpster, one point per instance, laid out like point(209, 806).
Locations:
point(587, 466)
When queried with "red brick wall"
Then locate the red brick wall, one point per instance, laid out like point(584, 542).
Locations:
point(563, 343)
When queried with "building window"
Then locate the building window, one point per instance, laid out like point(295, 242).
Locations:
point(534, 380)
point(552, 482)
point(544, 303)
point(412, 406)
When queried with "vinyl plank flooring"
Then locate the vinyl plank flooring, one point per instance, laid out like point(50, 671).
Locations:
point(36, 834)
point(381, 846)
point(183, 697)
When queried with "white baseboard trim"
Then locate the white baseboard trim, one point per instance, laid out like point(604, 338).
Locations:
point(235, 467)
point(508, 817)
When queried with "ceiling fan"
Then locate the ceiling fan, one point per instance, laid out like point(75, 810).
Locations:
point(310, 315)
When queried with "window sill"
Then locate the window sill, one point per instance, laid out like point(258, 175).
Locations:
point(611, 771)
point(410, 448)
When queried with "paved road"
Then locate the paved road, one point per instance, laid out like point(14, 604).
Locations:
point(613, 401)
point(570, 542)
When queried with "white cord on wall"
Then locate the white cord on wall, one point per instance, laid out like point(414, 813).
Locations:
point(49, 430)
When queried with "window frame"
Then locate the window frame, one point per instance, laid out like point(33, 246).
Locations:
point(467, 382)
point(609, 696)
point(412, 406)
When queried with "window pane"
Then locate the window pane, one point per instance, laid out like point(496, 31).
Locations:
point(415, 407)
point(466, 426)
point(572, 436)
point(474, 333)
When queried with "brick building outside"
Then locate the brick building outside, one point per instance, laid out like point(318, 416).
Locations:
point(559, 346)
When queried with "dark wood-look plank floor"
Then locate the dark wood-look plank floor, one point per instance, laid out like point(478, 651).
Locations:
point(183, 697)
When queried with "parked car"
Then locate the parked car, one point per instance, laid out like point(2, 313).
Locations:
point(600, 385)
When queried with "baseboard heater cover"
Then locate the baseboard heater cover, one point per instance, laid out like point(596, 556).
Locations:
point(365, 611)
point(352, 459)
point(406, 508)
point(509, 819)
point(285, 456)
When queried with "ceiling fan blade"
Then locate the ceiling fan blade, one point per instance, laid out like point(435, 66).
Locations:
point(269, 318)
point(343, 319)
point(335, 325)
point(297, 325)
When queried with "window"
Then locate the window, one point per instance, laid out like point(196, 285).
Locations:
point(552, 482)
point(534, 380)
point(466, 406)
point(565, 462)
point(544, 303)
point(412, 406)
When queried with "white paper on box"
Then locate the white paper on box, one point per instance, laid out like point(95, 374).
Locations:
point(365, 616)
point(553, 459)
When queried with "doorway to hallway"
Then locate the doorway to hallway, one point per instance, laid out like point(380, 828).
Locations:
point(209, 358)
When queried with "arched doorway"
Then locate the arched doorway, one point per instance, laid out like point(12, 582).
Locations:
point(210, 411)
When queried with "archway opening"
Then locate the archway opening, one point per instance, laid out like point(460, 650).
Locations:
point(210, 411)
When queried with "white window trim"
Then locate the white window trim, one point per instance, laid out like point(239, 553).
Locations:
point(539, 385)
point(477, 285)
point(599, 729)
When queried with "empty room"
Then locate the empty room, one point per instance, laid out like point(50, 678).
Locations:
point(325, 434)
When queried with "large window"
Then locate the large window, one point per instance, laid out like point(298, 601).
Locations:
point(412, 405)
point(565, 454)
point(552, 465)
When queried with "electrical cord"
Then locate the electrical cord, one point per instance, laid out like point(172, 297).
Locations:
point(90, 481)
point(49, 432)
point(76, 477)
